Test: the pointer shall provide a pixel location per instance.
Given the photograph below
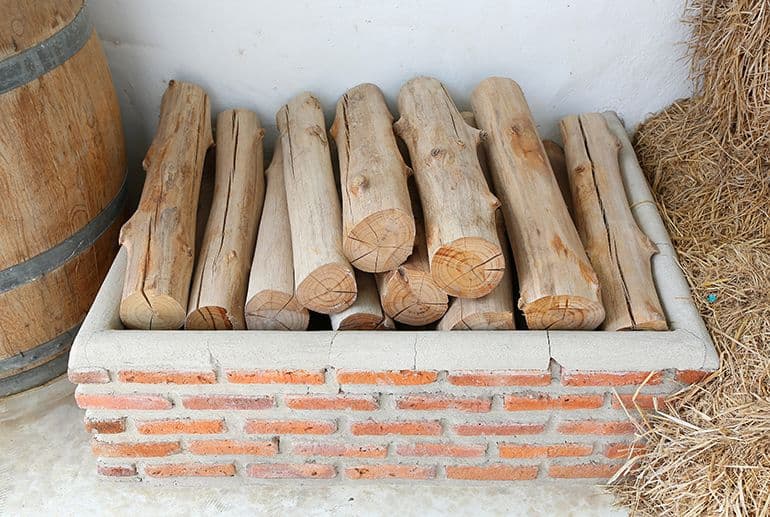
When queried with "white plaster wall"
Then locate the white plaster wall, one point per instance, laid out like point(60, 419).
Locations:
point(568, 55)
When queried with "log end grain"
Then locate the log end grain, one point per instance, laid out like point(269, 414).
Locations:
point(213, 318)
point(479, 321)
point(563, 312)
point(275, 310)
point(361, 321)
point(328, 289)
point(380, 242)
point(469, 267)
point(412, 297)
point(143, 310)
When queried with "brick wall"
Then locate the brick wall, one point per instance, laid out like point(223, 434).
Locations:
point(342, 424)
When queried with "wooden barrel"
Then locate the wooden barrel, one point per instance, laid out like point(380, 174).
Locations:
point(62, 183)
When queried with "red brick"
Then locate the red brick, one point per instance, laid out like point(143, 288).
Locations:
point(190, 469)
point(390, 472)
point(340, 450)
point(105, 425)
point(88, 376)
point(116, 470)
point(691, 376)
point(414, 427)
point(500, 378)
point(573, 378)
point(498, 429)
point(290, 427)
point(291, 470)
point(181, 426)
point(163, 377)
point(132, 401)
point(134, 449)
point(497, 472)
point(244, 402)
point(450, 450)
point(596, 427)
point(233, 447)
point(275, 377)
point(623, 450)
point(441, 401)
point(642, 400)
point(393, 377)
point(585, 470)
point(555, 450)
point(341, 402)
point(543, 401)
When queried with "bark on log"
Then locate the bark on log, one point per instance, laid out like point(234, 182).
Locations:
point(408, 293)
point(465, 256)
point(323, 276)
point(218, 290)
point(558, 287)
point(271, 303)
point(619, 251)
point(377, 221)
point(559, 166)
point(366, 312)
point(160, 236)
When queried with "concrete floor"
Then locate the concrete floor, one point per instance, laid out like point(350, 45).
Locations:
point(46, 469)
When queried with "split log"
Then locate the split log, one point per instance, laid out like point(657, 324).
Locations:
point(408, 293)
point(271, 303)
point(160, 236)
point(465, 256)
point(619, 251)
point(366, 312)
point(218, 290)
point(559, 166)
point(377, 221)
point(323, 276)
point(558, 287)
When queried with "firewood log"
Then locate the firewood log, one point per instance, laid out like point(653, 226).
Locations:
point(619, 251)
point(377, 221)
point(366, 312)
point(559, 166)
point(465, 256)
point(160, 236)
point(558, 287)
point(218, 289)
point(271, 304)
point(323, 276)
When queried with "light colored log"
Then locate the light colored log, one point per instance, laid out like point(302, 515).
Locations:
point(323, 276)
point(619, 251)
point(408, 293)
point(377, 221)
point(559, 166)
point(558, 287)
point(271, 304)
point(465, 256)
point(160, 236)
point(366, 312)
point(218, 289)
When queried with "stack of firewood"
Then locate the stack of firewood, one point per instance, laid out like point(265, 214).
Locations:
point(412, 236)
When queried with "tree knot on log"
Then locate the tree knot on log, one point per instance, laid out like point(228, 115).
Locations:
point(358, 184)
point(318, 131)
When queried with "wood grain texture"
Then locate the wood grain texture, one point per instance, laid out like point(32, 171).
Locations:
point(366, 312)
point(218, 292)
point(323, 276)
point(160, 236)
point(25, 23)
point(465, 256)
point(558, 287)
point(559, 166)
point(377, 221)
point(271, 304)
point(619, 251)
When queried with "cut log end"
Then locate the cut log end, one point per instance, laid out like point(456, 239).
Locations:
point(213, 318)
point(562, 312)
point(149, 311)
point(479, 321)
point(469, 267)
point(330, 288)
point(367, 322)
point(275, 310)
point(413, 298)
point(380, 242)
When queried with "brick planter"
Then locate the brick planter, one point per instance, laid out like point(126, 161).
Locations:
point(326, 407)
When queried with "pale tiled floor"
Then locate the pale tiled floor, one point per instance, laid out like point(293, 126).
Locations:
point(46, 469)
